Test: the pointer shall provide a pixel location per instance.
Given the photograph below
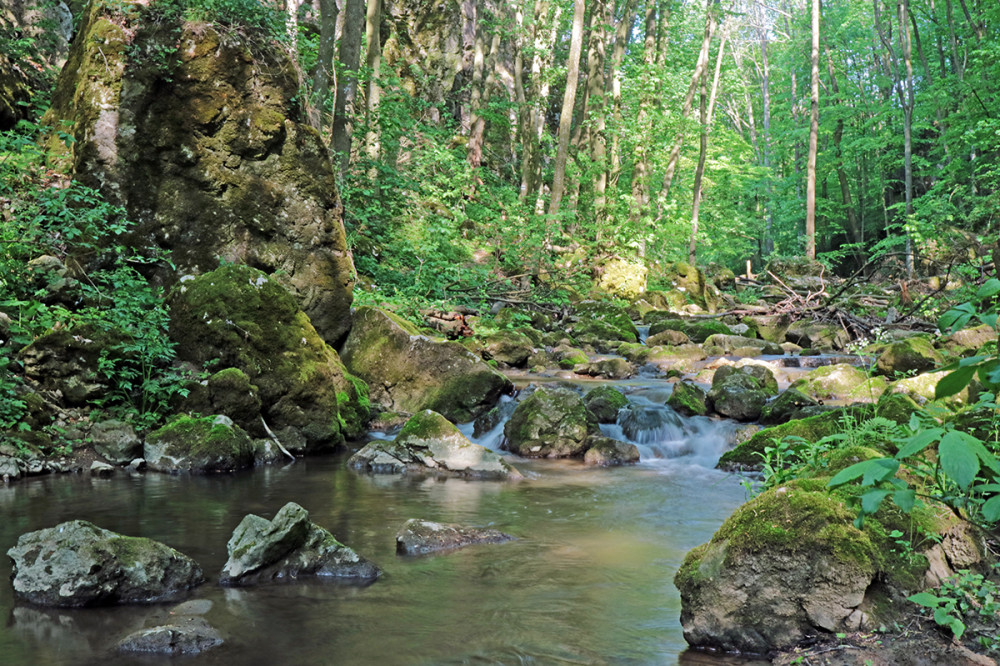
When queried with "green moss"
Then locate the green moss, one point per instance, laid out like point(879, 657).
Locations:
point(688, 399)
point(811, 429)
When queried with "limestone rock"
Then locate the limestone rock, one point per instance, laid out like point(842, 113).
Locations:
point(407, 371)
point(245, 319)
point(915, 354)
point(840, 382)
point(623, 278)
point(607, 452)
point(199, 445)
point(289, 546)
point(688, 399)
point(791, 404)
point(211, 157)
point(183, 636)
point(787, 564)
point(508, 347)
point(79, 564)
point(810, 335)
point(737, 345)
point(769, 327)
point(429, 443)
point(604, 403)
point(669, 337)
point(421, 537)
point(101, 469)
point(67, 361)
point(550, 423)
point(608, 368)
point(690, 280)
point(115, 441)
point(762, 373)
point(737, 395)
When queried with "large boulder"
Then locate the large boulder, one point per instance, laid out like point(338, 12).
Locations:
point(748, 454)
point(622, 278)
point(595, 321)
point(509, 347)
point(911, 355)
point(698, 330)
point(430, 443)
point(289, 546)
point(550, 423)
point(80, 564)
point(813, 335)
point(690, 280)
point(201, 135)
point(688, 399)
point(116, 441)
point(737, 395)
point(242, 318)
point(407, 371)
point(199, 445)
point(770, 327)
point(422, 537)
point(791, 404)
point(840, 382)
point(737, 345)
point(786, 565)
point(604, 403)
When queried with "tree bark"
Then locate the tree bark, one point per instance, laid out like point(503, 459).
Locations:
point(566, 116)
point(904, 36)
point(596, 117)
point(323, 76)
point(640, 172)
point(623, 31)
point(348, 57)
point(373, 60)
point(813, 138)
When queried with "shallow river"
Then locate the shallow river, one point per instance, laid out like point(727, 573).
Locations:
point(588, 580)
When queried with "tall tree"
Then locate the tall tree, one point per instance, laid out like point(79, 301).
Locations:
point(323, 76)
point(373, 60)
point(904, 37)
point(566, 115)
point(813, 137)
point(348, 59)
point(596, 118)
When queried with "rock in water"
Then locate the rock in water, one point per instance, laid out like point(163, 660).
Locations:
point(407, 371)
point(289, 546)
point(199, 133)
point(551, 423)
point(430, 443)
point(420, 537)
point(186, 636)
point(80, 564)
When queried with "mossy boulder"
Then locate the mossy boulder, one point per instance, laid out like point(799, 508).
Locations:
point(80, 564)
point(811, 335)
point(690, 280)
point(593, 321)
point(737, 395)
point(15, 90)
point(116, 441)
point(897, 407)
point(242, 318)
point(967, 341)
point(550, 423)
point(608, 368)
point(791, 404)
point(761, 373)
point(769, 327)
point(688, 399)
point(228, 392)
point(811, 429)
point(911, 355)
point(607, 452)
point(622, 278)
point(509, 347)
point(199, 445)
point(922, 389)
point(840, 382)
point(668, 338)
point(289, 546)
point(567, 357)
point(66, 360)
point(604, 403)
point(407, 371)
point(784, 566)
point(200, 134)
point(738, 345)
point(698, 330)
point(430, 444)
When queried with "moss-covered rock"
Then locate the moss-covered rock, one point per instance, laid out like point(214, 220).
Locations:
point(622, 278)
point(199, 445)
point(67, 360)
point(409, 372)
point(922, 389)
point(761, 373)
point(698, 330)
point(791, 404)
point(737, 395)
point(550, 423)
point(785, 565)
point(568, 357)
point(897, 407)
point(430, 444)
point(769, 327)
point(669, 338)
point(608, 368)
point(737, 345)
point(688, 399)
point(810, 335)
point(915, 354)
point(607, 452)
point(243, 319)
point(811, 429)
point(200, 134)
point(690, 280)
point(967, 341)
point(595, 321)
point(604, 403)
point(840, 382)
point(509, 347)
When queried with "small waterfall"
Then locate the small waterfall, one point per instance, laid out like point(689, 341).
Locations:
point(487, 430)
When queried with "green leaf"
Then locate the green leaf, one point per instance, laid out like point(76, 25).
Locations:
point(868, 469)
point(872, 500)
point(925, 599)
point(991, 509)
point(957, 627)
point(990, 288)
point(954, 382)
point(905, 499)
point(958, 460)
point(919, 442)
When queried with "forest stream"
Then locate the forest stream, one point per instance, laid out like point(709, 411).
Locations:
point(588, 580)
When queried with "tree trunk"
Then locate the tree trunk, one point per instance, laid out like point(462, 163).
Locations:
point(323, 77)
point(348, 58)
point(480, 95)
point(853, 228)
point(373, 60)
point(640, 172)
point(596, 117)
point(566, 116)
point(813, 136)
point(904, 36)
point(623, 31)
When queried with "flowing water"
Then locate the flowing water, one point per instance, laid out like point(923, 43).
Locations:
point(588, 580)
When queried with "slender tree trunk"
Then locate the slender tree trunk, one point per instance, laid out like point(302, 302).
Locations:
point(323, 76)
point(623, 31)
point(348, 57)
point(480, 95)
point(813, 136)
point(765, 85)
point(373, 60)
point(904, 36)
point(853, 228)
point(596, 117)
point(566, 116)
point(640, 172)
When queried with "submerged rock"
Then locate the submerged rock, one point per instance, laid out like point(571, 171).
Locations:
point(199, 445)
point(429, 443)
point(80, 564)
point(421, 537)
point(200, 134)
point(407, 371)
point(184, 636)
point(550, 423)
point(289, 546)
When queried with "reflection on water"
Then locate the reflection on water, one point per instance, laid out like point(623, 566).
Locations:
point(588, 580)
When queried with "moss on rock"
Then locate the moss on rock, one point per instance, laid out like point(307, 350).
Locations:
point(688, 399)
point(550, 423)
point(915, 354)
point(604, 403)
point(199, 445)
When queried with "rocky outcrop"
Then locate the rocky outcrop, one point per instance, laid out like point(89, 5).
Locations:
point(422, 537)
point(201, 135)
point(430, 444)
point(409, 372)
point(550, 423)
point(199, 445)
point(243, 319)
point(80, 564)
point(289, 546)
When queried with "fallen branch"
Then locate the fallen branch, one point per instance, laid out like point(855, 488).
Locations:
point(274, 438)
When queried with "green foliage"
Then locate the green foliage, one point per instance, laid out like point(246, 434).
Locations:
point(960, 598)
point(65, 265)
